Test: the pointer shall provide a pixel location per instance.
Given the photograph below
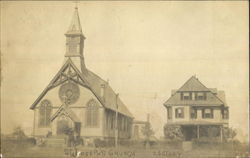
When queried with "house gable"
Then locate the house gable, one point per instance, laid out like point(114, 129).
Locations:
point(194, 85)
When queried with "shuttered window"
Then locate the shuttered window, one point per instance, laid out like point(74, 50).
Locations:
point(179, 113)
point(200, 96)
point(187, 96)
point(207, 113)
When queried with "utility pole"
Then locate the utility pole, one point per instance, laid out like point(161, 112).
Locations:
point(116, 121)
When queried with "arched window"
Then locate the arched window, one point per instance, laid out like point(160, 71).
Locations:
point(45, 110)
point(92, 114)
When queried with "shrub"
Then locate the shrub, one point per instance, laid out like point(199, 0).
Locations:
point(18, 133)
point(229, 133)
point(173, 132)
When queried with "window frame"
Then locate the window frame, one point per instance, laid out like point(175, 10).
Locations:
point(46, 106)
point(92, 114)
point(200, 97)
point(211, 116)
point(188, 96)
point(177, 114)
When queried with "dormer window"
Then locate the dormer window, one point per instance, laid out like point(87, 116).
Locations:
point(186, 96)
point(200, 96)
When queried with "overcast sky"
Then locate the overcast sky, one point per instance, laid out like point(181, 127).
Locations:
point(145, 49)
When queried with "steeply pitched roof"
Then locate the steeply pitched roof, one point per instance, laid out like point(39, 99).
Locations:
point(75, 26)
point(109, 101)
point(94, 83)
point(221, 96)
point(194, 85)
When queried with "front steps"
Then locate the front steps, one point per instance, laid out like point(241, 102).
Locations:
point(55, 142)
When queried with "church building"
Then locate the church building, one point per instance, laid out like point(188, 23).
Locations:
point(78, 99)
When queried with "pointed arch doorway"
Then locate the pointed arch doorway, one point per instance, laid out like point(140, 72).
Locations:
point(63, 124)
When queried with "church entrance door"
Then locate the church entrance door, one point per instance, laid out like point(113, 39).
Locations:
point(62, 126)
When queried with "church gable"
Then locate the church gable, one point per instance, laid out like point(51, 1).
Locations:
point(71, 73)
point(68, 73)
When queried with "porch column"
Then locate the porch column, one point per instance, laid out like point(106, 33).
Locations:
point(221, 133)
point(198, 131)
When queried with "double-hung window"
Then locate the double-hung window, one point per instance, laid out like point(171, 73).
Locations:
point(207, 113)
point(179, 113)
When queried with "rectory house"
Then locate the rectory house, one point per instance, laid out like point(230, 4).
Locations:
point(195, 109)
point(77, 98)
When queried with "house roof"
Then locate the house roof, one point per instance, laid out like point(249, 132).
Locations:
point(194, 85)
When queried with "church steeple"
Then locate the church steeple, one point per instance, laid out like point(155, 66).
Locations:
point(75, 26)
point(75, 42)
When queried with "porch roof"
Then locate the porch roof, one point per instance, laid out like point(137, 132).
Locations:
point(196, 123)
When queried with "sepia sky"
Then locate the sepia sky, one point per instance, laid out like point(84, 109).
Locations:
point(145, 49)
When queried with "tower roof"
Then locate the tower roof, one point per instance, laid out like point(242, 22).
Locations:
point(75, 26)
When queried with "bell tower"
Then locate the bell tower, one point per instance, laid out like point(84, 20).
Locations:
point(75, 42)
